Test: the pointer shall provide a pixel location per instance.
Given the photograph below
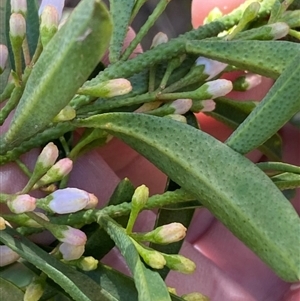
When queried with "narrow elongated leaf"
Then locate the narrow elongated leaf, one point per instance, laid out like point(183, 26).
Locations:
point(237, 192)
point(120, 286)
point(280, 104)
point(63, 67)
point(32, 25)
point(77, 285)
point(149, 284)
point(268, 58)
point(8, 291)
point(121, 14)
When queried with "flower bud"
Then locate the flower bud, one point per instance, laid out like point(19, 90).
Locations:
point(2, 223)
point(151, 257)
point(211, 67)
point(218, 87)
point(159, 38)
point(34, 290)
point(70, 235)
point(67, 113)
point(59, 170)
point(140, 197)
point(48, 156)
point(181, 106)
point(17, 26)
point(7, 256)
point(195, 297)
point(49, 23)
point(247, 82)
point(92, 203)
point(67, 200)
point(22, 203)
point(58, 4)
point(3, 57)
point(166, 234)
point(279, 30)
point(207, 105)
point(111, 88)
point(19, 6)
point(71, 252)
point(179, 263)
point(87, 263)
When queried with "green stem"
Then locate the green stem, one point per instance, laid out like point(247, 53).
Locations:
point(278, 166)
point(24, 168)
point(7, 91)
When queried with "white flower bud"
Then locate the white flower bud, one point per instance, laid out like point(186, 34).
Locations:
point(71, 236)
point(3, 57)
point(22, 203)
point(7, 256)
point(67, 200)
point(71, 252)
point(279, 30)
point(167, 234)
point(58, 4)
point(158, 39)
point(208, 105)
point(19, 6)
point(17, 26)
point(48, 155)
point(211, 67)
point(218, 87)
point(181, 106)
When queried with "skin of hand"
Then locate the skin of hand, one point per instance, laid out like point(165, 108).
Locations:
point(226, 269)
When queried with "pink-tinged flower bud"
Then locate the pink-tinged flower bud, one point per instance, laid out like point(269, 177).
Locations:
point(279, 30)
point(168, 233)
point(88, 263)
point(71, 236)
point(48, 155)
point(211, 67)
point(2, 223)
point(218, 87)
point(179, 263)
point(111, 88)
point(7, 256)
point(66, 200)
point(49, 17)
point(181, 106)
point(195, 297)
point(208, 105)
point(22, 203)
point(92, 203)
point(247, 82)
point(59, 170)
point(71, 252)
point(34, 290)
point(19, 6)
point(58, 4)
point(17, 26)
point(159, 38)
point(3, 57)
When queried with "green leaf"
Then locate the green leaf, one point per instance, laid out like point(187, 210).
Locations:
point(237, 192)
point(99, 242)
point(5, 74)
point(32, 25)
point(119, 285)
point(120, 13)
point(233, 113)
point(8, 291)
point(149, 284)
point(280, 104)
point(61, 69)
point(268, 58)
point(77, 285)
